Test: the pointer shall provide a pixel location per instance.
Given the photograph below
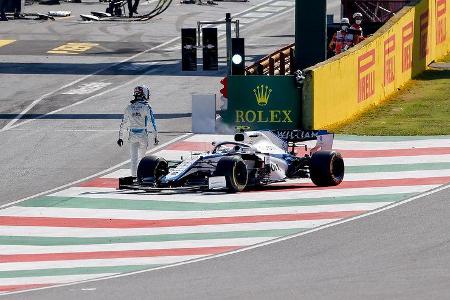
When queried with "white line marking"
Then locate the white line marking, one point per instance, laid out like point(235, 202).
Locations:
point(174, 48)
point(397, 175)
point(256, 15)
point(114, 214)
point(157, 148)
point(395, 160)
point(87, 88)
point(271, 9)
point(412, 144)
point(246, 20)
point(283, 3)
point(343, 221)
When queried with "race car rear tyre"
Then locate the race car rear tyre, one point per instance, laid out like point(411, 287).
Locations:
point(235, 171)
point(327, 168)
point(151, 169)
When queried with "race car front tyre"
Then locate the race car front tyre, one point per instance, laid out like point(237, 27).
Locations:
point(326, 168)
point(151, 169)
point(235, 171)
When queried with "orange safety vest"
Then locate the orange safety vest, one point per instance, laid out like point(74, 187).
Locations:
point(341, 41)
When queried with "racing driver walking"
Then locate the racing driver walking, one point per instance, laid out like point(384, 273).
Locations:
point(137, 118)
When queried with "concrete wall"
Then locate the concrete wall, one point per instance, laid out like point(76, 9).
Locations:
point(339, 88)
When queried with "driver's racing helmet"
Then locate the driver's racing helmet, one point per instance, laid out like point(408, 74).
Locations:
point(142, 91)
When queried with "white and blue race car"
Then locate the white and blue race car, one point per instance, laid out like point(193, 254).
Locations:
point(254, 158)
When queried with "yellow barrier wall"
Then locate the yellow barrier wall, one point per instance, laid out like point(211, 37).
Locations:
point(350, 83)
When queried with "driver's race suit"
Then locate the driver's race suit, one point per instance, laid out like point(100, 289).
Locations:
point(137, 118)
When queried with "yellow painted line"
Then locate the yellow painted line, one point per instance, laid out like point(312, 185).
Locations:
point(61, 52)
point(6, 42)
point(72, 48)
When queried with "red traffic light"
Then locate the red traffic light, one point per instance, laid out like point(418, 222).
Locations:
point(223, 90)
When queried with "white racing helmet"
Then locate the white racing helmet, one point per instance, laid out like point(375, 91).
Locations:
point(142, 91)
point(345, 24)
point(357, 15)
point(345, 21)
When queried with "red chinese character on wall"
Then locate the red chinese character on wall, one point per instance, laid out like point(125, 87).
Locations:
point(389, 60)
point(366, 75)
point(407, 44)
point(441, 21)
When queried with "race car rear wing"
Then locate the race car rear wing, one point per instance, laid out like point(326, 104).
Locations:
point(298, 135)
point(289, 137)
point(323, 137)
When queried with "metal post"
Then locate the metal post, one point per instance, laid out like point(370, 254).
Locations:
point(282, 63)
point(228, 34)
point(271, 66)
point(310, 32)
point(199, 29)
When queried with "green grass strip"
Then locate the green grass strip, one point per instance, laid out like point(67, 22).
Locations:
point(64, 241)
point(397, 168)
point(102, 203)
point(74, 271)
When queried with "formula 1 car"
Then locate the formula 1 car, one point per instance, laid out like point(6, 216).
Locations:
point(254, 158)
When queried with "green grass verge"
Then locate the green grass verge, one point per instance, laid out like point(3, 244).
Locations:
point(422, 107)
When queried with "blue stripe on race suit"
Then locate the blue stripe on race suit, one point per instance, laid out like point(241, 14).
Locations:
point(137, 130)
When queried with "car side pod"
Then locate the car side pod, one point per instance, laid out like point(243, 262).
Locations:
point(327, 168)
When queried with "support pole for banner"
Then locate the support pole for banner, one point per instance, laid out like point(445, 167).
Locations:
point(228, 34)
point(310, 32)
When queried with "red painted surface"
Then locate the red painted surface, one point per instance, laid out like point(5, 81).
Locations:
point(101, 182)
point(17, 287)
point(132, 223)
point(114, 254)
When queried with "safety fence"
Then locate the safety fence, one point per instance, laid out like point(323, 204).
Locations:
point(277, 63)
point(338, 89)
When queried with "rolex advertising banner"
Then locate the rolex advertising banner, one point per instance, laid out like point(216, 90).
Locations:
point(262, 102)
